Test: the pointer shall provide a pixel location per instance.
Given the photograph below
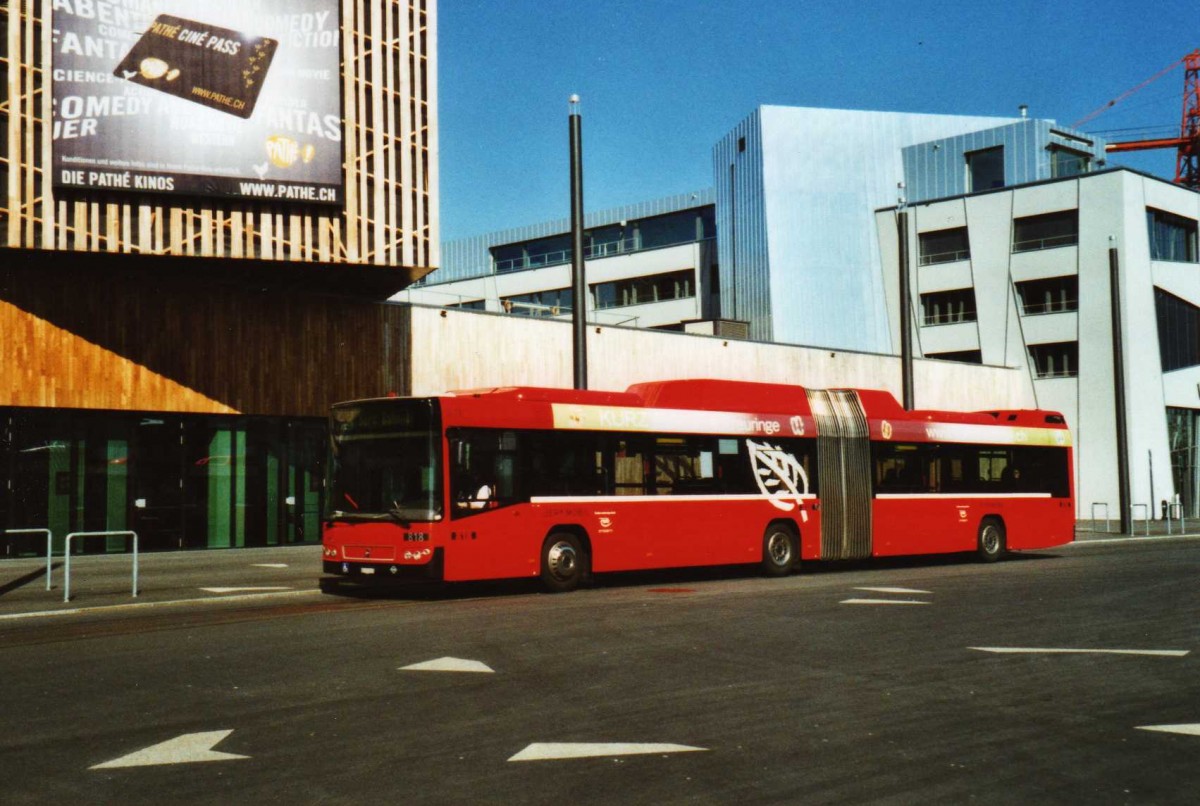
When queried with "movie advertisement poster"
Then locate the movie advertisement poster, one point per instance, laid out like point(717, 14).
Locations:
point(230, 98)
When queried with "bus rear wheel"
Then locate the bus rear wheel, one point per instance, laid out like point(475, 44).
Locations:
point(992, 543)
point(563, 562)
point(779, 551)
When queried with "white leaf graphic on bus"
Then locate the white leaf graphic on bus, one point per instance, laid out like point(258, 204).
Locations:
point(779, 476)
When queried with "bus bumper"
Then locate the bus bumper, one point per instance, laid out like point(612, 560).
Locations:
point(363, 571)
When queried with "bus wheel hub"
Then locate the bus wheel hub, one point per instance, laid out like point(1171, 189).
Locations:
point(562, 560)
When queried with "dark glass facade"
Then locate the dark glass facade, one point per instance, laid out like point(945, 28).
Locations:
point(1178, 331)
point(1172, 237)
point(181, 481)
point(1046, 231)
point(944, 246)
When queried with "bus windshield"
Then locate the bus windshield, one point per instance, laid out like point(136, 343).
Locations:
point(386, 461)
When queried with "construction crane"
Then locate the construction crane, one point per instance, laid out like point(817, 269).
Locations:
point(1187, 144)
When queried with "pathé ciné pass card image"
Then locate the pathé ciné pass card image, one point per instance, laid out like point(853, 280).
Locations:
point(216, 67)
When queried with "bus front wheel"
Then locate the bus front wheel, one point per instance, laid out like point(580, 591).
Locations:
point(779, 551)
point(992, 542)
point(563, 562)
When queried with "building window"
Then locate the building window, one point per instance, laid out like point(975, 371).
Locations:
point(948, 307)
point(1172, 237)
point(961, 356)
point(944, 246)
point(985, 169)
point(555, 302)
point(670, 229)
point(1057, 360)
point(1053, 295)
point(642, 290)
point(471, 305)
point(1046, 231)
point(1065, 162)
point(1178, 331)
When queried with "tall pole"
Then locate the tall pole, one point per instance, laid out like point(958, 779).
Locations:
point(1123, 484)
point(906, 353)
point(578, 281)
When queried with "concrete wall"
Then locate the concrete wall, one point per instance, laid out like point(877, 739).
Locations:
point(1112, 214)
point(454, 349)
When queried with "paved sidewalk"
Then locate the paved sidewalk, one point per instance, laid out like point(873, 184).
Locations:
point(105, 580)
point(1107, 530)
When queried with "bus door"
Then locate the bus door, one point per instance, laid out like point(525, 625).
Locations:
point(843, 472)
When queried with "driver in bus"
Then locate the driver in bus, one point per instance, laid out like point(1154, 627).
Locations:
point(481, 498)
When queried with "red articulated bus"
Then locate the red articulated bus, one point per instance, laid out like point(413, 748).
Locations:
point(556, 483)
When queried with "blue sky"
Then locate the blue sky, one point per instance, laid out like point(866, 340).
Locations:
point(663, 80)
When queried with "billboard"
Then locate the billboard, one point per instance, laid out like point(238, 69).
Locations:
point(229, 98)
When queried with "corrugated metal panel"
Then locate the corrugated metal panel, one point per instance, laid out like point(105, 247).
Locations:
point(844, 473)
point(822, 173)
point(742, 256)
point(938, 169)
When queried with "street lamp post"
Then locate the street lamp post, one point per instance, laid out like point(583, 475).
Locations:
point(578, 280)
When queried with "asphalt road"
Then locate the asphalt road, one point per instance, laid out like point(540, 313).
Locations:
point(818, 688)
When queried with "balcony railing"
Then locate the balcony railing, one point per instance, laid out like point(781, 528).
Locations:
point(949, 318)
point(623, 246)
point(1049, 242)
point(1058, 306)
point(945, 257)
point(1044, 374)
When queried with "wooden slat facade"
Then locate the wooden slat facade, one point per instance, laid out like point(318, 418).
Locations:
point(389, 52)
point(145, 339)
point(161, 303)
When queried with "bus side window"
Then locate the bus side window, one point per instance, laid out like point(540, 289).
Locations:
point(629, 468)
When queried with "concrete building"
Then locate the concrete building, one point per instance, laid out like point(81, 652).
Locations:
point(795, 187)
point(1021, 276)
point(649, 265)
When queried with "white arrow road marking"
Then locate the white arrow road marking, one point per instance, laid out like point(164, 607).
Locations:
point(546, 751)
point(1186, 730)
point(893, 590)
point(1017, 650)
point(449, 665)
point(190, 748)
point(270, 565)
point(242, 590)
point(883, 602)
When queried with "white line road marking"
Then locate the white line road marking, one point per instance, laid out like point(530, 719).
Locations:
point(191, 748)
point(206, 600)
point(883, 602)
point(449, 665)
point(1016, 650)
point(894, 590)
point(1184, 730)
point(245, 590)
point(270, 565)
point(544, 751)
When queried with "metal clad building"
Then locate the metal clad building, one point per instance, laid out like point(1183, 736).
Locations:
point(795, 246)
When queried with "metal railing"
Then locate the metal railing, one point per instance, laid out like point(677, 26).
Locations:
point(49, 545)
point(1060, 306)
point(67, 550)
point(561, 256)
point(932, 258)
point(1051, 242)
point(1175, 512)
point(1133, 508)
point(1103, 504)
point(956, 318)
